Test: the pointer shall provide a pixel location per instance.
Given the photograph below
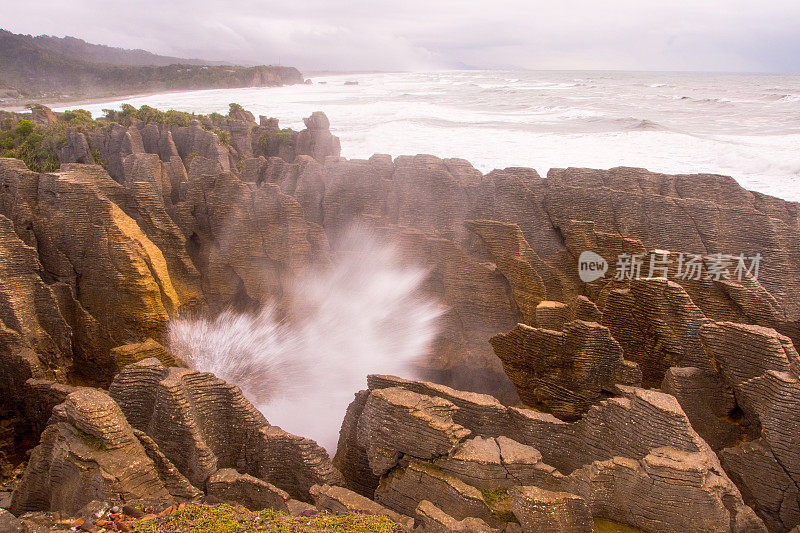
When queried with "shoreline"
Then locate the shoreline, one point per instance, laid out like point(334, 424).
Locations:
point(20, 108)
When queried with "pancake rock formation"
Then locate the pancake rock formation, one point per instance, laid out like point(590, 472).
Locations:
point(662, 394)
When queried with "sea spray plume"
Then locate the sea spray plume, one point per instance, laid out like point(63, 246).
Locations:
point(243, 348)
point(362, 314)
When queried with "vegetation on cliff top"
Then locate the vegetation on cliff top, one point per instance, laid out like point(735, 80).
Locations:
point(228, 519)
point(38, 145)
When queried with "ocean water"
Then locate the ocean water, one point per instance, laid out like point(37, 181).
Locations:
point(745, 126)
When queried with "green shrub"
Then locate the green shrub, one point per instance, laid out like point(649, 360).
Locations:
point(234, 108)
point(77, 117)
point(24, 128)
point(224, 136)
point(178, 118)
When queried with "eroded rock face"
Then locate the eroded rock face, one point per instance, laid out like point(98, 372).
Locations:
point(623, 447)
point(87, 452)
point(564, 372)
point(35, 338)
point(163, 402)
point(431, 519)
point(391, 414)
point(111, 271)
point(139, 351)
point(404, 488)
point(657, 324)
point(316, 140)
point(544, 510)
point(760, 367)
point(339, 500)
point(228, 485)
point(246, 239)
point(520, 269)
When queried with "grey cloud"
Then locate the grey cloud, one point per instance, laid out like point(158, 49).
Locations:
point(418, 34)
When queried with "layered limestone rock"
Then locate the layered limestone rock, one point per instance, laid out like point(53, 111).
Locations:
point(553, 315)
point(126, 354)
point(431, 519)
point(87, 452)
point(404, 488)
point(244, 239)
point(543, 510)
point(765, 484)
point(114, 143)
point(477, 306)
point(490, 463)
point(76, 148)
point(351, 458)
point(42, 115)
point(141, 201)
point(634, 492)
point(316, 140)
point(625, 458)
point(230, 433)
point(501, 242)
point(230, 486)
point(564, 372)
point(657, 324)
point(709, 404)
point(194, 141)
point(697, 214)
point(760, 366)
point(111, 271)
point(92, 267)
point(339, 500)
point(395, 421)
point(35, 338)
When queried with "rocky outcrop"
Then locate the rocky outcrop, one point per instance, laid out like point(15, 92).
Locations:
point(245, 239)
point(521, 270)
point(339, 500)
point(627, 457)
point(542, 510)
point(228, 485)
point(192, 141)
point(407, 486)
point(709, 404)
point(35, 338)
point(145, 440)
point(760, 367)
point(221, 212)
point(87, 452)
point(109, 271)
point(127, 354)
point(564, 372)
point(42, 115)
point(162, 402)
point(316, 140)
point(431, 519)
point(395, 421)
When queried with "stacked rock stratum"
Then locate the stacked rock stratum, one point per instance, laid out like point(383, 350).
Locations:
point(663, 403)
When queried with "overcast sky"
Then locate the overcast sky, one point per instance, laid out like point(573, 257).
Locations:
point(713, 35)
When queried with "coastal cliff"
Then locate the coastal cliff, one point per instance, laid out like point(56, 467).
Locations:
point(547, 402)
point(48, 68)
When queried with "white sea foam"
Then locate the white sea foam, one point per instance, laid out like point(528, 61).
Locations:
point(362, 314)
point(744, 126)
